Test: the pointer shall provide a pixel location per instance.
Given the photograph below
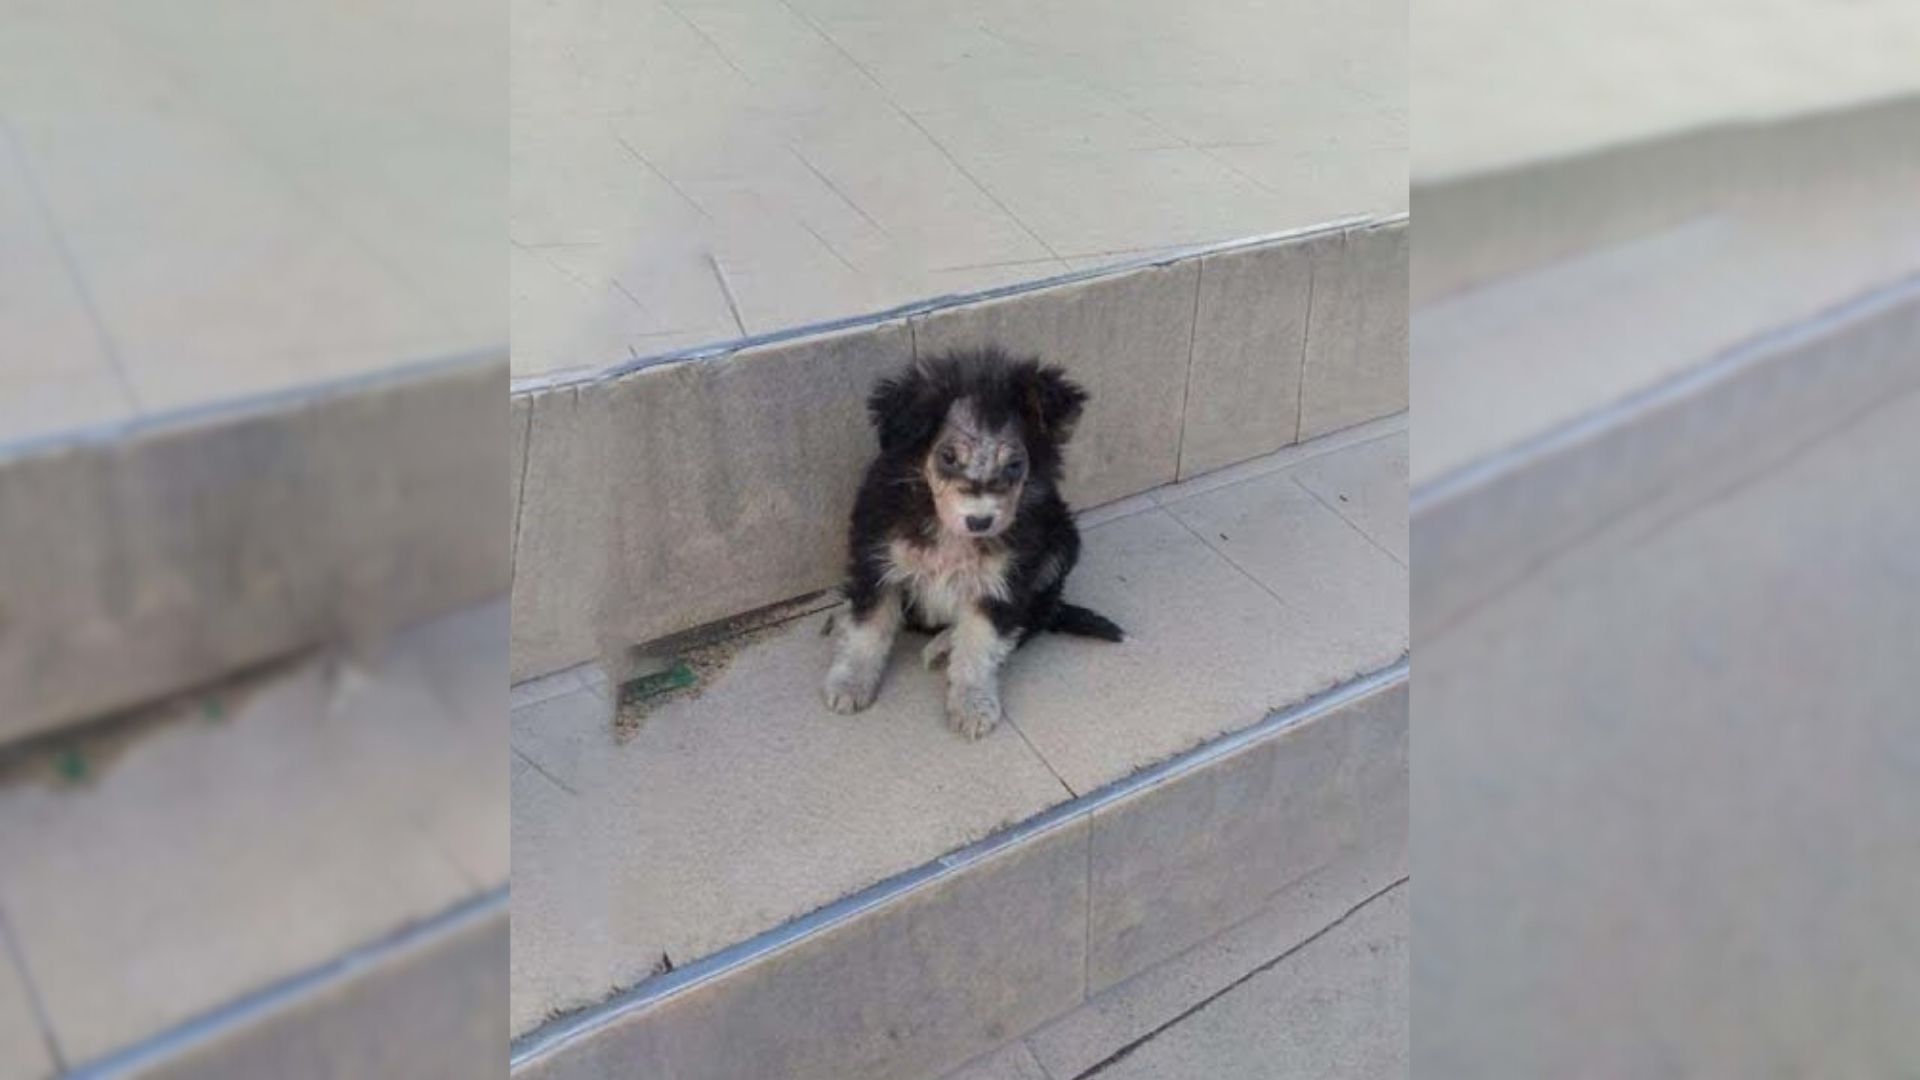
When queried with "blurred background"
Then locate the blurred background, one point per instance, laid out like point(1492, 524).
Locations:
point(1665, 348)
point(252, 646)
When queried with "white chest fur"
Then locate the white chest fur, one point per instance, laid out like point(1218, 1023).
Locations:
point(946, 577)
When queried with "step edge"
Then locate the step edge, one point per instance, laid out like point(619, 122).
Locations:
point(556, 1036)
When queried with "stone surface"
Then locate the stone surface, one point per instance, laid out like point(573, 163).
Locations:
point(681, 495)
point(23, 1047)
point(182, 552)
point(1344, 595)
point(1356, 359)
point(1250, 329)
point(1367, 487)
point(434, 1009)
point(617, 847)
point(207, 850)
point(208, 247)
point(1160, 995)
point(614, 842)
point(1126, 339)
point(1013, 1061)
point(1185, 860)
point(1337, 1007)
point(835, 159)
point(915, 988)
point(1707, 703)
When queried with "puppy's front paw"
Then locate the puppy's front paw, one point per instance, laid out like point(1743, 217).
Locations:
point(848, 690)
point(935, 654)
point(973, 711)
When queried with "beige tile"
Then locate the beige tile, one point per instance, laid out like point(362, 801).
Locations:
point(1323, 183)
point(213, 854)
point(435, 1008)
point(933, 210)
point(1338, 1007)
point(1183, 861)
point(1011, 1062)
point(1198, 660)
point(917, 987)
point(57, 372)
point(1356, 365)
point(1367, 485)
point(519, 423)
point(1147, 1002)
point(750, 468)
point(733, 812)
point(1088, 203)
point(345, 516)
point(1250, 327)
point(560, 561)
point(1125, 339)
point(1346, 594)
point(193, 248)
point(23, 1048)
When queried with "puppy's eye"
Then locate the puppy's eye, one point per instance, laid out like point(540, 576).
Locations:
point(1015, 471)
point(949, 457)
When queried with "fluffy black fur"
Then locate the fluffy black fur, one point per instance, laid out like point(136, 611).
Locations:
point(908, 411)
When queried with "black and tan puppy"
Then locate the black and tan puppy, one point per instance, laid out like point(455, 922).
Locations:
point(959, 529)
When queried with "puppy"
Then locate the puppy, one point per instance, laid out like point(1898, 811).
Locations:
point(959, 529)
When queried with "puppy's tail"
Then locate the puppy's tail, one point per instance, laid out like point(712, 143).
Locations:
point(1081, 622)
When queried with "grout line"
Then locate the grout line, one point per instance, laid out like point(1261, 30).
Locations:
point(1350, 523)
point(835, 188)
point(542, 770)
point(520, 500)
point(726, 290)
point(71, 263)
point(1229, 560)
point(1015, 725)
point(887, 96)
point(41, 1020)
point(1287, 457)
point(1306, 340)
point(664, 178)
point(1186, 387)
point(1121, 1054)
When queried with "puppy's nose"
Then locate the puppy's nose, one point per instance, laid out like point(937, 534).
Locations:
point(979, 522)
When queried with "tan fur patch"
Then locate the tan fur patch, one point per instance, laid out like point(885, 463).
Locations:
point(948, 576)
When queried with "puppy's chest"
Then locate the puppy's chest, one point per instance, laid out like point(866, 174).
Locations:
point(947, 577)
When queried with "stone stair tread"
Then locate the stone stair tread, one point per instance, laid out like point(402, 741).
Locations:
point(220, 843)
point(731, 812)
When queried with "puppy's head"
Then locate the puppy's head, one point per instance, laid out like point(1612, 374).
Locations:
point(982, 430)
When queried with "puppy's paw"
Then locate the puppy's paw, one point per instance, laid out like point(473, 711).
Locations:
point(973, 711)
point(848, 690)
point(935, 654)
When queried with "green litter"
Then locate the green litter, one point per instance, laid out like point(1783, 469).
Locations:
point(211, 709)
point(678, 677)
point(71, 764)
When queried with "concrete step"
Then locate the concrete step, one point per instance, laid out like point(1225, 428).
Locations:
point(908, 900)
point(1303, 988)
point(140, 558)
point(304, 864)
point(1678, 359)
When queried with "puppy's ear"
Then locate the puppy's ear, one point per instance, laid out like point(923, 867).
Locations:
point(904, 408)
point(1054, 402)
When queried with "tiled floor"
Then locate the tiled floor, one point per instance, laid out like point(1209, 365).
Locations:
point(1244, 592)
point(206, 851)
point(690, 171)
point(184, 219)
